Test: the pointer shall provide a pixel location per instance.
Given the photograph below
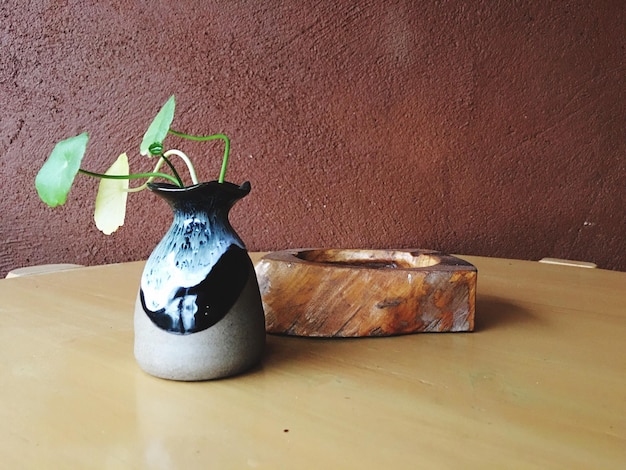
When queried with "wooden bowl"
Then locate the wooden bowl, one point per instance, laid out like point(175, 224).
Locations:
point(355, 293)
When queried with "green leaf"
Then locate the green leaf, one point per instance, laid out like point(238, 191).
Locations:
point(110, 209)
point(159, 128)
point(55, 178)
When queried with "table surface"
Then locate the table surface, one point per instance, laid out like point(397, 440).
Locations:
point(541, 383)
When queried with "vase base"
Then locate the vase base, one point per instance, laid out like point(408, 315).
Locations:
point(231, 346)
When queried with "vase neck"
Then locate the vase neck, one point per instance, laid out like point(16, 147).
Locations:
point(203, 207)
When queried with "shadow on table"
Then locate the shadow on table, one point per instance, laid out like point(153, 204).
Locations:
point(493, 312)
point(283, 348)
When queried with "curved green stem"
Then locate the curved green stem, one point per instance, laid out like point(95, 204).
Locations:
point(199, 138)
point(131, 176)
point(176, 175)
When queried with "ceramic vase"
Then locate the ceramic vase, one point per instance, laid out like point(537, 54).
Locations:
point(198, 314)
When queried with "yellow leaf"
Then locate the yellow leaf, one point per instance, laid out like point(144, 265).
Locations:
point(111, 199)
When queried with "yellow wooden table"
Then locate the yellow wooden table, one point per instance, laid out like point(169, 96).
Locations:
point(541, 383)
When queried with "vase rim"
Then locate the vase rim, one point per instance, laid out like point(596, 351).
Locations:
point(242, 189)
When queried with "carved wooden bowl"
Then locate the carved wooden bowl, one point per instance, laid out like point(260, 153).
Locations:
point(354, 293)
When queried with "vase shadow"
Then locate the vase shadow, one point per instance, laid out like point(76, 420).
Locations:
point(281, 348)
point(494, 312)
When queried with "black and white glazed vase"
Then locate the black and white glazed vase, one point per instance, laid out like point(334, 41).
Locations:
point(198, 314)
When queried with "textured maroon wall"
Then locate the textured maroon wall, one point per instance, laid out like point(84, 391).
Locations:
point(490, 127)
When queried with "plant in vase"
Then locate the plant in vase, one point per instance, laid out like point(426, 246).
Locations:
point(198, 313)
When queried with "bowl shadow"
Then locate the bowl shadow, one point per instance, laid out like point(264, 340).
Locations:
point(493, 312)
